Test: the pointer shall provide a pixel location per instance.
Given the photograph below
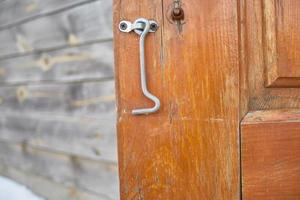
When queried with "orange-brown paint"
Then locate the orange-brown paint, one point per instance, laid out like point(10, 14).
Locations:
point(271, 155)
point(190, 148)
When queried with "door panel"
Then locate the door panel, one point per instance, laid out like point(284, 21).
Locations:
point(255, 59)
point(282, 42)
point(270, 155)
point(189, 149)
point(270, 138)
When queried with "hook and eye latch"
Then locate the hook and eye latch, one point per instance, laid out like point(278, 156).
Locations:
point(138, 26)
point(142, 27)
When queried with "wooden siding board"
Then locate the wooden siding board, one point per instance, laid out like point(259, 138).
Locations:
point(76, 118)
point(91, 138)
point(94, 177)
point(88, 62)
point(57, 100)
point(40, 185)
point(92, 99)
point(14, 12)
point(78, 25)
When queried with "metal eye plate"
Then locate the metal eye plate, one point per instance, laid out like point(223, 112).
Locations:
point(127, 26)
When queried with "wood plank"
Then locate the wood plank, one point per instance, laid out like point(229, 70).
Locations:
point(189, 149)
point(92, 138)
point(87, 62)
point(272, 116)
point(261, 98)
point(243, 55)
point(270, 155)
point(15, 12)
point(77, 119)
point(41, 185)
point(57, 98)
point(87, 99)
point(70, 171)
point(81, 24)
point(282, 41)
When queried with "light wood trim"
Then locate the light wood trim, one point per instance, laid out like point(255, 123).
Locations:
point(272, 116)
point(270, 46)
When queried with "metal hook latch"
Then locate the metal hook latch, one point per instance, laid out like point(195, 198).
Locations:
point(142, 27)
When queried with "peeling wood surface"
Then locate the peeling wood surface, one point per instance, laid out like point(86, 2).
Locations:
point(189, 149)
point(272, 116)
point(85, 23)
point(270, 155)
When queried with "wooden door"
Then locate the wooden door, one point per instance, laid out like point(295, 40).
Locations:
point(209, 68)
point(270, 132)
point(189, 148)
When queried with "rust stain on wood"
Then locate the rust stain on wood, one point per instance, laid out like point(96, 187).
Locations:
point(176, 15)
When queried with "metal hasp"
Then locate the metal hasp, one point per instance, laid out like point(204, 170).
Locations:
point(142, 27)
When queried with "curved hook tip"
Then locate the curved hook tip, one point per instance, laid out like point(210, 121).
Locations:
point(146, 111)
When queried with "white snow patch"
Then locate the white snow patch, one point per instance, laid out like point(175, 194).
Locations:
point(10, 190)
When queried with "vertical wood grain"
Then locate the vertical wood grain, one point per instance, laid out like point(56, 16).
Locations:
point(270, 44)
point(260, 97)
point(288, 38)
point(189, 149)
point(281, 43)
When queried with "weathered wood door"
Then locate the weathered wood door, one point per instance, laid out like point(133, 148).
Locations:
point(210, 63)
point(270, 139)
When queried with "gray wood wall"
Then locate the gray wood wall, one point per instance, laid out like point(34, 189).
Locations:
point(57, 103)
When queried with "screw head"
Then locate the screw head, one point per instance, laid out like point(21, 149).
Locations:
point(153, 27)
point(123, 26)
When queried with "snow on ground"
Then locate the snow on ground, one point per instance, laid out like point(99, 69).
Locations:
point(10, 190)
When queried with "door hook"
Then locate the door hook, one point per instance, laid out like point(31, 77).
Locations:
point(142, 27)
